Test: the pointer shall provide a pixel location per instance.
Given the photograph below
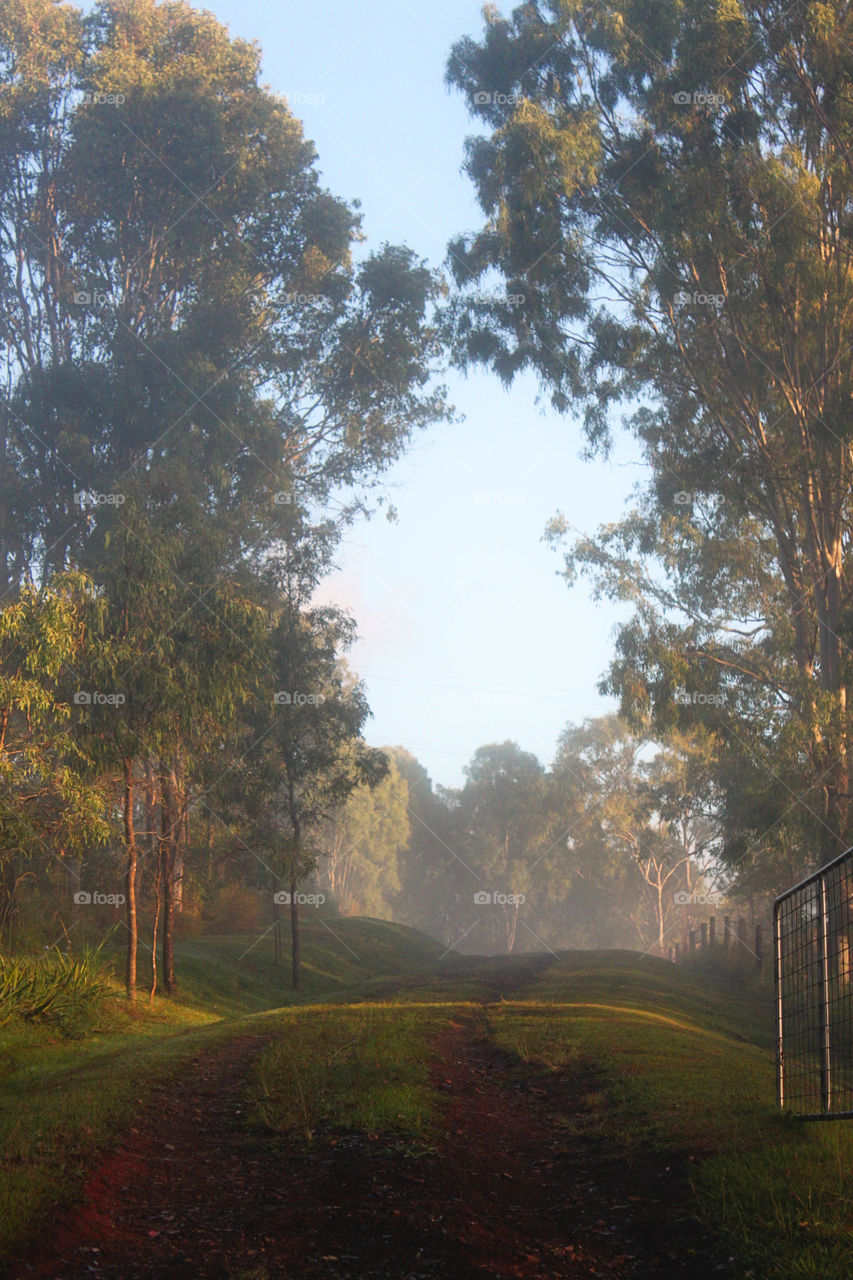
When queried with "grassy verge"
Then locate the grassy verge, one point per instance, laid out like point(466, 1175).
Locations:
point(679, 1061)
point(687, 1069)
point(68, 1089)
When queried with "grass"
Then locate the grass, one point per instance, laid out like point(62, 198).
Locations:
point(353, 1068)
point(62, 1097)
point(52, 987)
point(687, 1069)
point(677, 1060)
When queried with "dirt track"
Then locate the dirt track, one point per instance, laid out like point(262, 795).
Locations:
point(508, 1195)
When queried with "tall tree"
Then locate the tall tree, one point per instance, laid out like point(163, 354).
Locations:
point(505, 821)
point(361, 844)
point(308, 756)
point(668, 188)
point(195, 364)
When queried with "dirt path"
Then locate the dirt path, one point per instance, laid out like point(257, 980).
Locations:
point(195, 1195)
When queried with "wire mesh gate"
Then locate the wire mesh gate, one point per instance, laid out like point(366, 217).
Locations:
point(813, 926)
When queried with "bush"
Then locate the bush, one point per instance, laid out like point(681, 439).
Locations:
point(51, 987)
point(236, 909)
point(189, 921)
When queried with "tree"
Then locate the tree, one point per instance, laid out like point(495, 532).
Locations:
point(196, 366)
point(183, 317)
point(669, 190)
point(433, 878)
point(309, 757)
point(361, 842)
point(597, 793)
point(50, 793)
point(505, 820)
point(170, 664)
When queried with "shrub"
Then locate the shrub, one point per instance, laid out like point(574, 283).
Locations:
point(51, 987)
point(235, 909)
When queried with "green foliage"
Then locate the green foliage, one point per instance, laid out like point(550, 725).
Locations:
point(360, 845)
point(203, 368)
point(668, 188)
point(57, 987)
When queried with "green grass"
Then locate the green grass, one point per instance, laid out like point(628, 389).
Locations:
point(355, 1068)
point(53, 987)
point(687, 1069)
point(62, 1097)
point(677, 1060)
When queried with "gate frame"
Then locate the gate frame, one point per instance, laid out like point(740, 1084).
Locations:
point(823, 1011)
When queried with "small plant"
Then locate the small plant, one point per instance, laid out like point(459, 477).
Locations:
point(55, 986)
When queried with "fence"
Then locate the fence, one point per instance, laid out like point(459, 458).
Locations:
point(736, 935)
point(814, 993)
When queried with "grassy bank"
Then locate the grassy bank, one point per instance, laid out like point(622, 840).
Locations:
point(688, 1069)
point(676, 1061)
point(69, 1087)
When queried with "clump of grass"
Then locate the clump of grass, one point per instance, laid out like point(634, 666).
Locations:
point(54, 987)
point(358, 1069)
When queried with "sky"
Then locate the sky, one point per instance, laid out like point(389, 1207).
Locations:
point(467, 634)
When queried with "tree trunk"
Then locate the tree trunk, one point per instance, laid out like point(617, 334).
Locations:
point(295, 940)
point(276, 915)
point(155, 930)
point(511, 911)
point(132, 942)
point(169, 823)
point(660, 888)
point(151, 824)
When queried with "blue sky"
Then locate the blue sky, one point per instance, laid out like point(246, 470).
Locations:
point(467, 634)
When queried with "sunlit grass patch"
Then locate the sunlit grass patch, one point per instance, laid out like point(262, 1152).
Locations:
point(674, 1070)
point(356, 1068)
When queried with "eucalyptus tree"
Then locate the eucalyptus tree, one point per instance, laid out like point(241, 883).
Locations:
point(181, 305)
point(306, 755)
point(505, 823)
point(168, 667)
point(667, 199)
point(51, 796)
point(434, 880)
point(361, 843)
point(198, 358)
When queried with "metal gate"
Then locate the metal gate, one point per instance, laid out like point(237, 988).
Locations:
point(814, 993)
